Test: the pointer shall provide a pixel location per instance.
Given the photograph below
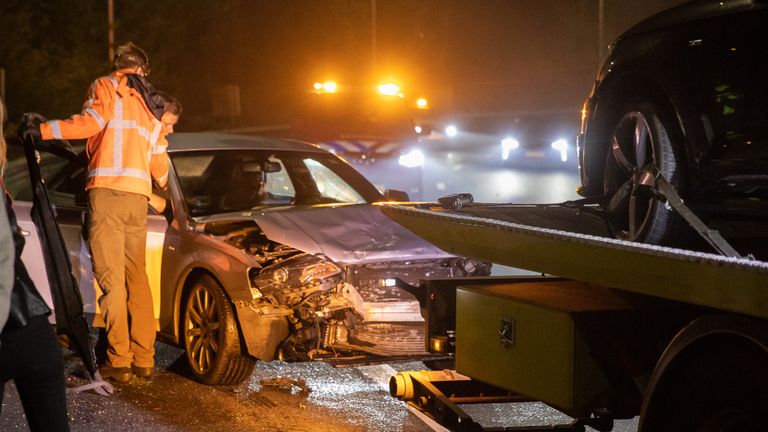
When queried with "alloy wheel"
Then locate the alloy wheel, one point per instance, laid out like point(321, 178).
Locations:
point(202, 326)
point(631, 157)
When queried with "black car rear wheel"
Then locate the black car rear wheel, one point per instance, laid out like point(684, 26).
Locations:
point(211, 336)
point(639, 142)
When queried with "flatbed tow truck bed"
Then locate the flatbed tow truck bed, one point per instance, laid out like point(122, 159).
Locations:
point(543, 216)
point(574, 244)
point(676, 336)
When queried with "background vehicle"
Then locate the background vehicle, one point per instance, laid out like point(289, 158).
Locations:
point(682, 92)
point(267, 248)
point(543, 141)
point(358, 123)
point(523, 141)
point(370, 127)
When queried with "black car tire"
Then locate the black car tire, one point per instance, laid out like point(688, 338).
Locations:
point(714, 389)
point(211, 336)
point(639, 139)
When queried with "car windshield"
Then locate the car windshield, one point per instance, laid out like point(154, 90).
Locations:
point(224, 181)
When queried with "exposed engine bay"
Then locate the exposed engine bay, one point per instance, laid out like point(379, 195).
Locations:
point(340, 310)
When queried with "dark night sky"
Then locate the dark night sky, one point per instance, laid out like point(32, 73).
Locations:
point(465, 55)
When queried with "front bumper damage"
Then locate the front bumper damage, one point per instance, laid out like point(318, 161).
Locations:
point(263, 327)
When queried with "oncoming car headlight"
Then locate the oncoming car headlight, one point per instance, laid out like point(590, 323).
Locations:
point(412, 159)
point(561, 145)
point(507, 145)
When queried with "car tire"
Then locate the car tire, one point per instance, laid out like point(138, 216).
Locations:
point(211, 336)
point(714, 389)
point(639, 140)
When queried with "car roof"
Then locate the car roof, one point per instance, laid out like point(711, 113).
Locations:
point(223, 141)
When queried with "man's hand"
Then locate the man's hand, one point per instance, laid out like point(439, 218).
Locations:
point(29, 129)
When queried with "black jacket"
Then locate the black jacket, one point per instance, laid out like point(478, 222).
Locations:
point(26, 302)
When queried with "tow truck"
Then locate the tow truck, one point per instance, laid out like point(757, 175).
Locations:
point(369, 126)
point(608, 330)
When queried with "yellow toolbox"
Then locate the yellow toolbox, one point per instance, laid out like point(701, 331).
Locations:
point(531, 338)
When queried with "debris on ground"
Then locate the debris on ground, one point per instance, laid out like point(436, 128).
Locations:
point(287, 384)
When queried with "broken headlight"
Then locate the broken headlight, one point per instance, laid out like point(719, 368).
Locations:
point(294, 272)
point(318, 272)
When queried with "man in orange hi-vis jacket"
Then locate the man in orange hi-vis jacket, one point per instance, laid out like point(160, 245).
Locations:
point(126, 151)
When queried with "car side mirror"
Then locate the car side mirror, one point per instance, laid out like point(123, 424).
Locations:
point(396, 195)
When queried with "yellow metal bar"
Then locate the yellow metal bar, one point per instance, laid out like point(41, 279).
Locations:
point(733, 284)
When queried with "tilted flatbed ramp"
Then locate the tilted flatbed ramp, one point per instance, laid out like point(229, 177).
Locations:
point(572, 244)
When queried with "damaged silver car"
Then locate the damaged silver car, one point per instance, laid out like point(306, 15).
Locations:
point(268, 249)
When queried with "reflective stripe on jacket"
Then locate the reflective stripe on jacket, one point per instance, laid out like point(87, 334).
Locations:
point(124, 149)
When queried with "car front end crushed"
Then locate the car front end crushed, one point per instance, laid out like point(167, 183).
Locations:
point(306, 304)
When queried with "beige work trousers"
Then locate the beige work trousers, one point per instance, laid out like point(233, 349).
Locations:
point(118, 236)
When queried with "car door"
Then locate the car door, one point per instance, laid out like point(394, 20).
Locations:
point(65, 182)
point(17, 181)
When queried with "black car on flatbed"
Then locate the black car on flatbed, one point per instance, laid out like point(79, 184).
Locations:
point(683, 94)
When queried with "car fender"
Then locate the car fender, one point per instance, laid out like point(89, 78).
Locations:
point(262, 327)
point(229, 272)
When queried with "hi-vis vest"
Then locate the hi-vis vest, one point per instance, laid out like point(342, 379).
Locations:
point(124, 147)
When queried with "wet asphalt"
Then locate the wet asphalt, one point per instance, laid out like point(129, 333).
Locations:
point(332, 399)
point(279, 396)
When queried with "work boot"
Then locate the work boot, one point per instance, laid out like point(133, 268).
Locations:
point(121, 375)
point(143, 372)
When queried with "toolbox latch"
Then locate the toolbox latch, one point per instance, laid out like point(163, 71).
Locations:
point(507, 332)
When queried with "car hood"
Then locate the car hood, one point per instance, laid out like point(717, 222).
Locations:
point(346, 234)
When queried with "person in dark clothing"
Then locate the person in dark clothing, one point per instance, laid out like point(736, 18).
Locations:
point(7, 253)
point(29, 350)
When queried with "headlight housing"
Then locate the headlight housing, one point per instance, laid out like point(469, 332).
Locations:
point(295, 272)
point(318, 272)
